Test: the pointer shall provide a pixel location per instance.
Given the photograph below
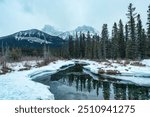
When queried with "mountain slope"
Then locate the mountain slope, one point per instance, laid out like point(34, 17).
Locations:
point(51, 30)
point(31, 39)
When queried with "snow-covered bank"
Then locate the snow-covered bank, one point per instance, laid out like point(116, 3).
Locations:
point(17, 87)
point(18, 84)
point(138, 74)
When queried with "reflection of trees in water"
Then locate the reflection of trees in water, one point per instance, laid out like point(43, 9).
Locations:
point(71, 79)
point(77, 84)
point(106, 90)
point(74, 77)
point(137, 92)
point(120, 91)
point(131, 92)
point(84, 82)
point(89, 84)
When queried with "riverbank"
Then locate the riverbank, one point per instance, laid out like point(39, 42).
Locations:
point(18, 83)
point(137, 72)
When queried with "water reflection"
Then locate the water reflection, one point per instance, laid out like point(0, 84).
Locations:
point(73, 83)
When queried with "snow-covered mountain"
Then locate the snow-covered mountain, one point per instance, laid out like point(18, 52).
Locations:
point(31, 39)
point(51, 30)
point(65, 35)
point(83, 29)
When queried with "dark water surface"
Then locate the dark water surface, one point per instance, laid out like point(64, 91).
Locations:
point(76, 84)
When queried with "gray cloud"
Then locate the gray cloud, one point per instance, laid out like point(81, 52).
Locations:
point(64, 14)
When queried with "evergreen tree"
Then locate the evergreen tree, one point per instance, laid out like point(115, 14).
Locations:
point(93, 48)
point(88, 45)
point(131, 43)
point(148, 33)
point(104, 39)
point(143, 44)
point(97, 46)
point(82, 45)
point(121, 42)
point(77, 47)
point(126, 40)
point(140, 39)
point(71, 46)
point(115, 43)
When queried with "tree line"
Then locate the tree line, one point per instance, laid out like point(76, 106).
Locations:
point(129, 41)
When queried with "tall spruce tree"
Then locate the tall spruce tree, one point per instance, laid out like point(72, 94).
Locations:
point(77, 47)
point(126, 39)
point(97, 46)
point(121, 42)
point(115, 43)
point(140, 38)
point(131, 43)
point(126, 33)
point(104, 39)
point(93, 47)
point(82, 45)
point(71, 46)
point(148, 33)
point(88, 45)
point(143, 44)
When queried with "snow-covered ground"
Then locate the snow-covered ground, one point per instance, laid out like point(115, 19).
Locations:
point(18, 84)
point(137, 74)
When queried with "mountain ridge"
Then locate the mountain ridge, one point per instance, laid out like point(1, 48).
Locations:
point(65, 35)
point(32, 38)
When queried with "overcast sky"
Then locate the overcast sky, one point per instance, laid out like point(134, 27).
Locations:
point(16, 15)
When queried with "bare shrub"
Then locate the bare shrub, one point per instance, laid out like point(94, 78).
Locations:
point(112, 72)
point(101, 71)
point(136, 63)
point(5, 70)
point(47, 61)
point(27, 65)
point(126, 62)
point(22, 69)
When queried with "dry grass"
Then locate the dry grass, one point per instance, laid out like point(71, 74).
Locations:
point(5, 70)
point(101, 71)
point(127, 62)
point(136, 63)
point(23, 69)
point(47, 61)
point(112, 72)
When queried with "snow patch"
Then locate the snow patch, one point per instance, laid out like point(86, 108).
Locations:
point(18, 85)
